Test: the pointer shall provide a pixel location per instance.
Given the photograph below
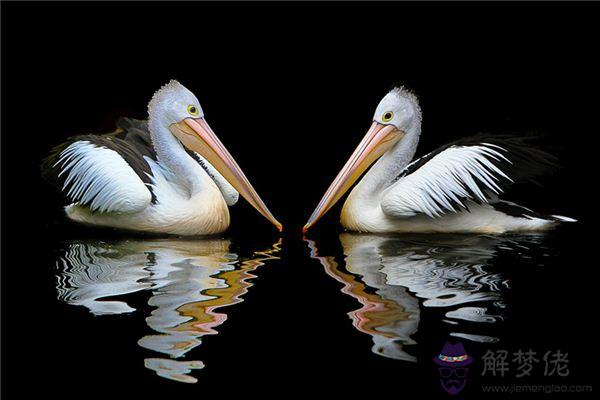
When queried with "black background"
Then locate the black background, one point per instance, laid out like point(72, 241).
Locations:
point(290, 89)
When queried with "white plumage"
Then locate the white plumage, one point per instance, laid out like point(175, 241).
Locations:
point(142, 178)
point(453, 189)
point(177, 210)
point(91, 178)
point(449, 177)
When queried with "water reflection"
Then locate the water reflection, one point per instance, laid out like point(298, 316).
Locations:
point(393, 277)
point(188, 283)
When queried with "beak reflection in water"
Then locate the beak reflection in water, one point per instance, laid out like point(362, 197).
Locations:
point(396, 279)
point(188, 282)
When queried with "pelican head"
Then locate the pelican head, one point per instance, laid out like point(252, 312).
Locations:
point(173, 106)
point(395, 117)
point(399, 108)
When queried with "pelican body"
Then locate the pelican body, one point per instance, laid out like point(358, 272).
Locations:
point(455, 188)
point(170, 174)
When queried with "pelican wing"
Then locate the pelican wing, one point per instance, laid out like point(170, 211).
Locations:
point(111, 173)
point(107, 173)
point(473, 169)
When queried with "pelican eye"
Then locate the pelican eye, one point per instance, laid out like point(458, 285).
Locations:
point(387, 116)
point(193, 110)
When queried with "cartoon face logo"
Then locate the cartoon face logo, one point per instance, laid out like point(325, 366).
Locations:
point(452, 366)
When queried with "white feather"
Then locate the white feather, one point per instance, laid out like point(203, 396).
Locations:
point(454, 174)
point(177, 210)
point(101, 178)
point(562, 218)
point(230, 195)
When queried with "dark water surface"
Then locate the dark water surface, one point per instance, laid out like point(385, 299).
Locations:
point(186, 284)
point(149, 313)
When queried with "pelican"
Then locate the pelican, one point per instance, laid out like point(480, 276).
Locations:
point(170, 174)
point(452, 189)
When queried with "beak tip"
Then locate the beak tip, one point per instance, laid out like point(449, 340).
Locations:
point(305, 229)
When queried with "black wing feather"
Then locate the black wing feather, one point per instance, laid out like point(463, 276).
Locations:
point(131, 141)
point(525, 161)
point(522, 162)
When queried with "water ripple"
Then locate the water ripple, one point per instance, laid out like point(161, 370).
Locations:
point(395, 278)
point(188, 282)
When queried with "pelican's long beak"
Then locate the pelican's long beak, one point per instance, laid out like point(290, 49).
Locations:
point(196, 135)
point(379, 139)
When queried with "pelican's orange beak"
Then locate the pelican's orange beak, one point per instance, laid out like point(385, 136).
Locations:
point(379, 139)
point(196, 135)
